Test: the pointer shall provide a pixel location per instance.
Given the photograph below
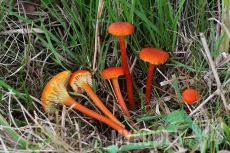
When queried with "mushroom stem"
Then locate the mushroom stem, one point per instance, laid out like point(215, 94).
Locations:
point(120, 98)
point(151, 68)
point(77, 106)
point(99, 103)
point(126, 71)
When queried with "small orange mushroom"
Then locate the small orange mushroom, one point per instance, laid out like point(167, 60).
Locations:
point(190, 96)
point(113, 73)
point(122, 29)
point(55, 93)
point(81, 81)
point(154, 56)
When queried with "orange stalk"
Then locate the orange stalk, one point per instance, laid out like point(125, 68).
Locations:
point(69, 101)
point(120, 98)
point(99, 103)
point(149, 80)
point(125, 66)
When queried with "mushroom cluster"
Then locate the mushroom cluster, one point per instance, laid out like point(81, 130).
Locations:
point(81, 80)
point(122, 29)
point(55, 91)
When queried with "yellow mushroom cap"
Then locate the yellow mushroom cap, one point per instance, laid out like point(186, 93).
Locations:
point(154, 56)
point(112, 72)
point(55, 90)
point(77, 78)
point(190, 96)
point(121, 28)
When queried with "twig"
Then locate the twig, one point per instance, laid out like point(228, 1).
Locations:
point(22, 31)
point(133, 65)
point(78, 134)
point(97, 39)
point(211, 63)
point(222, 25)
point(204, 102)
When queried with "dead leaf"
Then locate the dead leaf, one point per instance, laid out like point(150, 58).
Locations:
point(29, 6)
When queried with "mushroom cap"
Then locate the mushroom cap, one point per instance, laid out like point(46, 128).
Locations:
point(121, 28)
point(154, 56)
point(55, 90)
point(112, 72)
point(190, 96)
point(77, 78)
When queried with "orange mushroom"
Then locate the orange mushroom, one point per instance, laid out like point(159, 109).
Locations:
point(122, 29)
point(81, 81)
point(190, 96)
point(55, 93)
point(154, 56)
point(113, 73)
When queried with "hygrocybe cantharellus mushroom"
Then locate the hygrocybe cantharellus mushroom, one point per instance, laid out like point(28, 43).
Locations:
point(190, 96)
point(55, 92)
point(113, 73)
point(122, 29)
point(81, 81)
point(154, 56)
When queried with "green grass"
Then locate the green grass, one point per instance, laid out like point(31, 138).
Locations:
point(67, 41)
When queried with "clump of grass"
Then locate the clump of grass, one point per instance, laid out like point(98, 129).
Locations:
point(73, 35)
